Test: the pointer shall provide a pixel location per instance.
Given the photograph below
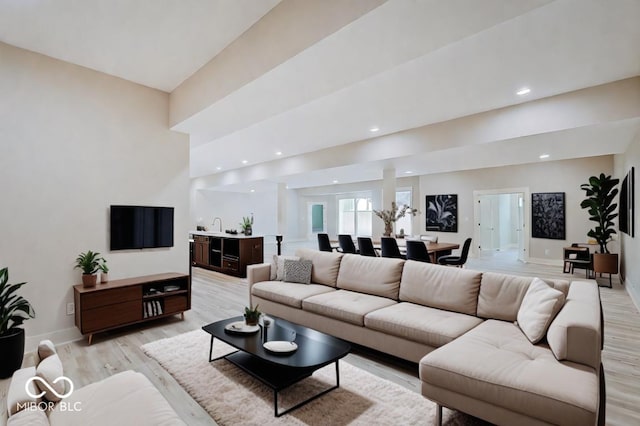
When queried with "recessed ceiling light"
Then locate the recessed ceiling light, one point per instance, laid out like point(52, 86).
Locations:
point(335, 181)
point(218, 168)
point(543, 156)
point(253, 190)
point(409, 172)
point(279, 153)
point(244, 161)
point(523, 91)
point(374, 129)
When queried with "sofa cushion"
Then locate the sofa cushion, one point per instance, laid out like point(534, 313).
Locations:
point(372, 275)
point(433, 327)
point(290, 294)
point(17, 395)
point(325, 265)
point(297, 271)
point(575, 334)
point(348, 306)
point(50, 370)
point(29, 418)
point(501, 294)
point(438, 286)
point(126, 398)
point(497, 364)
point(539, 307)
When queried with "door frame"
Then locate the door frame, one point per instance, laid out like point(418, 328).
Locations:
point(526, 192)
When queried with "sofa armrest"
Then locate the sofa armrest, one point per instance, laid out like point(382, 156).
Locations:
point(17, 396)
point(575, 334)
point(257, 273)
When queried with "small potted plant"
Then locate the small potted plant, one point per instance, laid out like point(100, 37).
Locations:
point(601, 192)
point(89, 262)
point(14, 310)
point(251, 315)
point(247, 225)
point(104, 271)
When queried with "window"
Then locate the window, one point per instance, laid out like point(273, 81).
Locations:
point(404, 196)
point(354, 216)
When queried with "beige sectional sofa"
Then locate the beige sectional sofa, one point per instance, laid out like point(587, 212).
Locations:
point(459, 325)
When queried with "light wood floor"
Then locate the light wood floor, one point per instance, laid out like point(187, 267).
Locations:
point(217, 296)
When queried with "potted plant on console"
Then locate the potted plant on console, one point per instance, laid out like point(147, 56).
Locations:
point(104, 271)
point(601, 191)
point(14, 310)
point(89, 262)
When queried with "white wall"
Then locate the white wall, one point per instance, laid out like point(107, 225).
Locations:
point(73, 142)
point(232, 206)
point(630, 247)
point(548, 176)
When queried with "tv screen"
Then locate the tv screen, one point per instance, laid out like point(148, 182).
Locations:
point(138, 227)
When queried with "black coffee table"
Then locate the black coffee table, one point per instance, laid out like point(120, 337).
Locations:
point(279, 371)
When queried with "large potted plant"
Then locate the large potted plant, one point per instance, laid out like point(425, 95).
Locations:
point(14, 310)
point(601, 192)
point(89, 262)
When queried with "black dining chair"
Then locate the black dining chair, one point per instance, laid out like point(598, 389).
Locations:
point(390, 248)
point(453, 260)
point(346, 244)
point(417, 250)
point(365, 246)
point(323, 242)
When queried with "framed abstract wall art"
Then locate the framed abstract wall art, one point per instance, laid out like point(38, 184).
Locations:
point(442, 213)
point(626, 222)
point(548, 215)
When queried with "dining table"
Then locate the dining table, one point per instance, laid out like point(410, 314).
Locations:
point(435, 250)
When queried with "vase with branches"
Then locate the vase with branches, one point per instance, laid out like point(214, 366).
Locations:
point(389, 217)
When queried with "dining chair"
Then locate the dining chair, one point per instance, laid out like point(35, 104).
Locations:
point(417, 250)
point(390, 248)
point(453, 260)
point(365, 246)
point(323, 242)
point(346, 244)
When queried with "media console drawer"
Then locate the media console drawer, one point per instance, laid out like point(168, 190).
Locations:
point(111, 296)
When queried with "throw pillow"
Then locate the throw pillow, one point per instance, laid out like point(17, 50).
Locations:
point(50, 370)
point(277, 266)
point(297, 271)
point(46, 348)
point(539, 307)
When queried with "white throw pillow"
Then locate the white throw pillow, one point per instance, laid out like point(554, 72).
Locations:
point(50, 370)
point(277, 266)
point(539, 307)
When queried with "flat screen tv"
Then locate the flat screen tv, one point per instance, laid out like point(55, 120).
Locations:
point(139, 227)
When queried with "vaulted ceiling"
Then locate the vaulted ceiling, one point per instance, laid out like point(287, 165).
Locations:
point(289, 91)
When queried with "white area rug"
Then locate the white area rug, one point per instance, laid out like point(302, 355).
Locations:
point(232, 397)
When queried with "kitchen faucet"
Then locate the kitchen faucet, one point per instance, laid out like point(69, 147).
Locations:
point(214, 223)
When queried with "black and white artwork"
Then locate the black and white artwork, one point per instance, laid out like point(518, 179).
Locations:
point(626, 204)
point(547, 215)
point(442, 213)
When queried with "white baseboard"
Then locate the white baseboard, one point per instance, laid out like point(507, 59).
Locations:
point(58, 337)
point(548, 262)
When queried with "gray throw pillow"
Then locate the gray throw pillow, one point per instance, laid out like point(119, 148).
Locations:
point(297, 271)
